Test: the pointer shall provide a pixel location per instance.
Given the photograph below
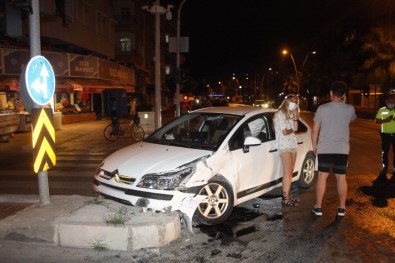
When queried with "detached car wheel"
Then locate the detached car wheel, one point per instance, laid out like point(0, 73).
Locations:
point(307, 172)
point(218, 205)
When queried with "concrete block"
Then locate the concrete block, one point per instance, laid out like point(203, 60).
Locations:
point(86, 236)
point(172, 230)
point(144, 236)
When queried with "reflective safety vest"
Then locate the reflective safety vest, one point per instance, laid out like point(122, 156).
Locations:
point(384, 113)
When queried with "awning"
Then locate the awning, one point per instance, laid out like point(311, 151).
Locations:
point(9, 84)
point(97, 86)
point(69, 85)
point(63, 86)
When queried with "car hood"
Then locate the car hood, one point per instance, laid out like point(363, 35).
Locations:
point(142, 158)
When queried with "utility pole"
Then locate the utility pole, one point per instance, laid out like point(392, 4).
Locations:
point(35, 50)
point(158, 10)
point(178, 57)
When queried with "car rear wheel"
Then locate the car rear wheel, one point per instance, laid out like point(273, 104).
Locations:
point(307, 172)
point(218, 205)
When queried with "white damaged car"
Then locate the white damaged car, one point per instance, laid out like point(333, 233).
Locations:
point(204, 163)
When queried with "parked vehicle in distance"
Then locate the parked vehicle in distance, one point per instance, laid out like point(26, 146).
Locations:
point(207, 161)
point(263, 104)
point(219, 102)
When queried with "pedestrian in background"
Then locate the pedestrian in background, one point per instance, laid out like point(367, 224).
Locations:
point(385, 117)
point(330, 138)
point(286, 124)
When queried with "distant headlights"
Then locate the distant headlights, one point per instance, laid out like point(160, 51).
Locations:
point(166, 181)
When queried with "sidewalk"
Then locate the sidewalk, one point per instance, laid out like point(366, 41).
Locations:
point(89, 222)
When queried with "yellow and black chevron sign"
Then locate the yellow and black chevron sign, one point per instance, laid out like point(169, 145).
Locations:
point(43, 139)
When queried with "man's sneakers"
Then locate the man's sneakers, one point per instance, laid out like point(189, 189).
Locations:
point(341, 211)
point(317, 211)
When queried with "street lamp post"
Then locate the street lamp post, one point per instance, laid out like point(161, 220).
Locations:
point(263, 88)
point(238, 86)
point(285, 52)
point(297, 73)
point(158, 10)
point(305, 59)
point(178, 56)
point(221, 88)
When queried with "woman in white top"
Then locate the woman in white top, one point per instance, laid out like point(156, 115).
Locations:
point(286, 124)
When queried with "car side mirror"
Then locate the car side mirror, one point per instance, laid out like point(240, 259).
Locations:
point(250, 141)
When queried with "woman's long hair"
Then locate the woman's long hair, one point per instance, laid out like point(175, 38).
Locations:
point(285, 104)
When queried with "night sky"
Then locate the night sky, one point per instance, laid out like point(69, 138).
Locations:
point(247, 36)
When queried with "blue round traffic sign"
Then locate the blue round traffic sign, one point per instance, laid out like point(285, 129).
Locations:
point(40, 80)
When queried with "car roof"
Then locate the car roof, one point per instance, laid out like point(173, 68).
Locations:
point(236, 110)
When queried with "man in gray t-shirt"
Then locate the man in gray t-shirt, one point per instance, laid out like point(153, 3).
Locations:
point(330, 139)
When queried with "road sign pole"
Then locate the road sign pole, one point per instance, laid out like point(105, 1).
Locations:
point(43, 188)
point(35, 49)
point(34, 26)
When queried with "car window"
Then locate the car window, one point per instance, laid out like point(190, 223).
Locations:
point(270, 125)
point(237, 140)
point(260, 126)
point(196, 130)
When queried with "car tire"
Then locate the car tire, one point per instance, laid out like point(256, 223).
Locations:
point(219, 204)
point(307, 173)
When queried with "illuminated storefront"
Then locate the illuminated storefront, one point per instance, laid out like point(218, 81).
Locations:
point(80, 81)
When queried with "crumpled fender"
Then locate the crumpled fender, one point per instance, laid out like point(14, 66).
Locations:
point(205, 174)
point(189, 204)
point(188, 207)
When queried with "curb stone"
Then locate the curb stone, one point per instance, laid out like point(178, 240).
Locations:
point(77, 221)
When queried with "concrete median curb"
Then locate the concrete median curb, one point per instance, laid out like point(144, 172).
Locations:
point(87, 222)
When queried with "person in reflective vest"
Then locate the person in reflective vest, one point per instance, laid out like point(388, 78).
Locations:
point(385, 117)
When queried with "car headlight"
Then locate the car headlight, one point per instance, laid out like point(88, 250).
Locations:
point(166, 181)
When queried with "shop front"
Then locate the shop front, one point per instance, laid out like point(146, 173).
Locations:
point(80, 82)
point(73, 102)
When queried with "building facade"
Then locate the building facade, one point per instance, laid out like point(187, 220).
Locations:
point(92, 46)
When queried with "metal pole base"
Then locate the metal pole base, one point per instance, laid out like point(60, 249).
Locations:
point(43, 188)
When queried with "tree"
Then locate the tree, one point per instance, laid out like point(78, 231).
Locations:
point(291, 85)
point(379, 46)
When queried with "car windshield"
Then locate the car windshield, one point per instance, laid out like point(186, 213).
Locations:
point(196, 130)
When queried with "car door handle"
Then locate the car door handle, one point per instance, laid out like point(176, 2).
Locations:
point(272, 151)
point(300, 142)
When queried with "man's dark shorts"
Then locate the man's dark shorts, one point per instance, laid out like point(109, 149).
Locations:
point(338, 162)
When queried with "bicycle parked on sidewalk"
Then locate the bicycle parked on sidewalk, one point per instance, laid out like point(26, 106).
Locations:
point(116, 129)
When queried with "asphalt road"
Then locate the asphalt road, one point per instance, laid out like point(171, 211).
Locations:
point(80, 148)
point(366, 234)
